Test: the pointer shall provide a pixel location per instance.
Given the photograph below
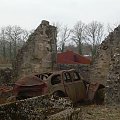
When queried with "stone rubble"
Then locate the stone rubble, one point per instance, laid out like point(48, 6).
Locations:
point(37, 108)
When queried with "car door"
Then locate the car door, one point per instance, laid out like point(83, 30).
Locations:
point(74, 86)
point(69, 86)
point(79, 86)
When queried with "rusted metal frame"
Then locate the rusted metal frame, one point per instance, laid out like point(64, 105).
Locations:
point(92, 89)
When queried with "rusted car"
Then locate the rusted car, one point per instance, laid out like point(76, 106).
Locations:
point(29, 86)
point(65, 83)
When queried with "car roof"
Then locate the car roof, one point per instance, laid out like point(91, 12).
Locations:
point(29, 80)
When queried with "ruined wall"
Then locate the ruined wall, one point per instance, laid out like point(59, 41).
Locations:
point(38, 108)
point(43, 108)
point(39, 52)
point(101, 64)
point(113, 80)
point(106, 67)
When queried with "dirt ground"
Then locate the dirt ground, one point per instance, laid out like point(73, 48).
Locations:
point(89, 112)
point(95, 112)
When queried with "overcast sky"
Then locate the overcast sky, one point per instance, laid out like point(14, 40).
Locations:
point(29, 13)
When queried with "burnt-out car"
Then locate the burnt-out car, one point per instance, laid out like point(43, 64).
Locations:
point(29, 86)
point(67, 83)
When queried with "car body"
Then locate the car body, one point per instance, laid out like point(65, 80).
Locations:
point(66, 83)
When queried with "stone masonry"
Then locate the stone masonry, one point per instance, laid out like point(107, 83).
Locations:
point(43, 108)
point(39, 52)
point(113, 80)
point(106, 67)
point(36, 108)
point(101, 64)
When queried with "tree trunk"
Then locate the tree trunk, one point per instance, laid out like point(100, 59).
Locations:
point(10, 51)
point(80, 47)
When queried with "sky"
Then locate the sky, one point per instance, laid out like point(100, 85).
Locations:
point(28, 14)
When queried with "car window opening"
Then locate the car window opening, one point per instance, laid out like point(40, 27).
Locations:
point(76, 76)
point(67, 77)
point(56, 79)
point(43, 76)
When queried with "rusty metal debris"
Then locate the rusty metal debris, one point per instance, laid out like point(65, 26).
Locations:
point(29, 86)
point(64, 83)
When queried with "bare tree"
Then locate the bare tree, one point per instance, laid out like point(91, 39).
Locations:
point(8, 33)
point(12, 38)
point(78, 35)
point(94, 36)
point(23, 38)
point(63, 37)
point(16, 37)
point(3, 42)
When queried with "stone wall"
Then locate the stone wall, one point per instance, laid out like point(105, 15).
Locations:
point(39, 52)
point(38, 108)
point(100, 67)
point(43, 108)
point(106, 67)
point(113, 80)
